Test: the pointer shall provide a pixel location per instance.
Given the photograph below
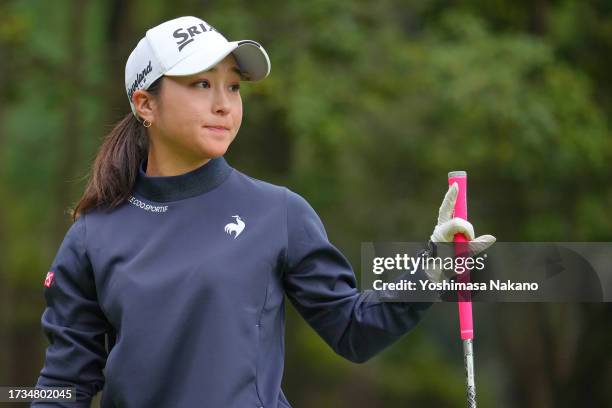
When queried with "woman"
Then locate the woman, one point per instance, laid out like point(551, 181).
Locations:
point(168, 288)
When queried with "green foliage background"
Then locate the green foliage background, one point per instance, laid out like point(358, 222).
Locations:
point(368, 106)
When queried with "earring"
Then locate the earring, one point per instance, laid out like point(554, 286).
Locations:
point(144, 123)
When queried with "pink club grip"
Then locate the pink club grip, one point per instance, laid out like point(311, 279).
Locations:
point(465, 303)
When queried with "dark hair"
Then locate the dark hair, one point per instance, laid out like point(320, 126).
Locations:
point(115, 167)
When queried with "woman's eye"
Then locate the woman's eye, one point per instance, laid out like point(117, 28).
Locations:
point(203, 82)
point(235, 88)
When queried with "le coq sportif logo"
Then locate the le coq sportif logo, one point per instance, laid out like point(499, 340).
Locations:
point(235, 227)
point(147, 207)
point(186, 35)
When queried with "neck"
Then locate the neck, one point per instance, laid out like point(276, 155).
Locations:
point(171, 165)
point(177, 184)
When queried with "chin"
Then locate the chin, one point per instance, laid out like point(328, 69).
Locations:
point(215, 150)
point(214, 146)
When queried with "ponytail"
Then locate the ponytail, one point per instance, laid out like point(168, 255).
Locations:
point(115, 167)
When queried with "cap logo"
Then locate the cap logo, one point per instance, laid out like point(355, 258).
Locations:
point(140, 78)
point(187, 37)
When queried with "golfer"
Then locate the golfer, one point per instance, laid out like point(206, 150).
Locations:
point(168, 289)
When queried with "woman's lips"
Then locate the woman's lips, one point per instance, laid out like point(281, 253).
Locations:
point(219, 129)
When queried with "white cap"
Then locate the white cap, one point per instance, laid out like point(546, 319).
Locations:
point(186, 46)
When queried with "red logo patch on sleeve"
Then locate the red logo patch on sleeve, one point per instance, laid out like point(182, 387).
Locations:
point(49, 279)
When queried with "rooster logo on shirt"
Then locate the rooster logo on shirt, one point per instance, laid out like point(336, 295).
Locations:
point(236, 227)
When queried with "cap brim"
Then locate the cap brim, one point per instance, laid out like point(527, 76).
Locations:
point(251, 57)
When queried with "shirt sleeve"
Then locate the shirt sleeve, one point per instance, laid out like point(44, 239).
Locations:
point(73, 324)
point(321, 284)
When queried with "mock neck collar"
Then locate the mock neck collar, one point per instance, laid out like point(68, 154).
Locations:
point(190, 184)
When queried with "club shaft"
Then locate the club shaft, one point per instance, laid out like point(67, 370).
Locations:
point(468, 359)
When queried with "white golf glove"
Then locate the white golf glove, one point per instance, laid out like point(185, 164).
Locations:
point(448, 226)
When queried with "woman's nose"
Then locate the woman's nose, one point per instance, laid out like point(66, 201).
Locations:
point(221, 102)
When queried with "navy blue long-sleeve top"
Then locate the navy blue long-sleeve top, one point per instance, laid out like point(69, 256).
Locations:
point(175, 298)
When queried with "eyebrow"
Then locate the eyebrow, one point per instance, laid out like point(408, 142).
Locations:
point(234, 68)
